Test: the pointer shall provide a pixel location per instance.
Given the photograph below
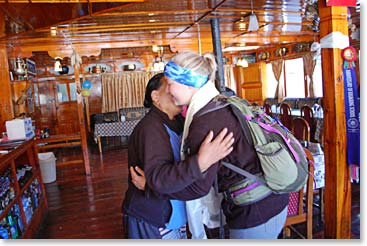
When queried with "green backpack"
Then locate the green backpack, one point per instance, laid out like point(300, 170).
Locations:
point(282, 159)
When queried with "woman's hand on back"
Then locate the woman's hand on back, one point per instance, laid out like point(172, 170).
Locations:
point(213, 150)
point(138, 177)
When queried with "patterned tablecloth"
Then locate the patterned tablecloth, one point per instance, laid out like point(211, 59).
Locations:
point(319, 165)
point(319, 172)
point(318, 180)
point(115, 128)
point(319, 129)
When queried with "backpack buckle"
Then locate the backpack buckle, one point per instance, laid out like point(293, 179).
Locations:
point(227, 195)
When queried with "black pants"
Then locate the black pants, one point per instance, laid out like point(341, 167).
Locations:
point(135, 228)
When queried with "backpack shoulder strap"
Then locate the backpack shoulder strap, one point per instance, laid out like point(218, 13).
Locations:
point(243, 172)
point(236, 104)
point(220, 102)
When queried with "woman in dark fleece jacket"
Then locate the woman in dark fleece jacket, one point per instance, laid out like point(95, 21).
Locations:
point(154, 147)
point(191, 82)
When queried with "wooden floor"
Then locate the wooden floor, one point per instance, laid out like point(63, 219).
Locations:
point(82, 207)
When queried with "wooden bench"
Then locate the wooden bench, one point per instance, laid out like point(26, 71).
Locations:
point(59, 141)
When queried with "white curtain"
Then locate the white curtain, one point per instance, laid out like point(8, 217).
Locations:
point(230, 82)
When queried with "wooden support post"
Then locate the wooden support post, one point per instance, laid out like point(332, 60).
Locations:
point(99, 144)
point(86, 104)
point(337, 175)
point(6, 105)
point(83, 132)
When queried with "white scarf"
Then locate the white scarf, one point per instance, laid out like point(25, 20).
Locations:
point(201, 98)
point(197, 212)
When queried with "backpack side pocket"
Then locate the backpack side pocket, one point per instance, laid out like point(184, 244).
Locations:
point(279, 167)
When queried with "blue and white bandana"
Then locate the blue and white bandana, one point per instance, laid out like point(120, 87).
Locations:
point(184, 76)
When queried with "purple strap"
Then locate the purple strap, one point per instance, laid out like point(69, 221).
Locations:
point(272, 129)
point(240, 191)
point(248, 117)
point(263, 115)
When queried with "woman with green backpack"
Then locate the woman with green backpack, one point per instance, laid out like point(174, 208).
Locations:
point(191, 82)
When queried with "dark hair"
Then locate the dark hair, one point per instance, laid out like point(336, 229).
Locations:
point(153, 84)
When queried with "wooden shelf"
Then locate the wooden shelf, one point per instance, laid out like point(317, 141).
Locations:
point(24, 151)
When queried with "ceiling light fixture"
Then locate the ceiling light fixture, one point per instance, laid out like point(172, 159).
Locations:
point(158, 49)
point(242, 24)
point(53, 31)
point(155, 48)
point(253, 24)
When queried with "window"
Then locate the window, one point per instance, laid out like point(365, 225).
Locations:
point(72, 91)
point(294, 74)
point(66, 92)
point(62, 93)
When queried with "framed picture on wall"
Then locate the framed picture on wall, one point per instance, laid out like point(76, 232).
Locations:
point(31, 67)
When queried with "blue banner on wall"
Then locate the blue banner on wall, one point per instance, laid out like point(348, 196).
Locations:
point(351, 107)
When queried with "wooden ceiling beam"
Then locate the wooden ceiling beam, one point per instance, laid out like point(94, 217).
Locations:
point(153, 25)
point(68, 1)
point(303, 23)
point(263, 10)
point(271, 39)
point(153, 13)
point(201, 17)
point(14, 16)
point(83, 49)
point(128, 3)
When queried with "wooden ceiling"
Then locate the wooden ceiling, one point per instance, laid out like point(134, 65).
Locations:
point(182, 24)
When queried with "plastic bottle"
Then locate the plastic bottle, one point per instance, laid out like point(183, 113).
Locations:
point(3, 233)
point(18, 218)
point(13, 227)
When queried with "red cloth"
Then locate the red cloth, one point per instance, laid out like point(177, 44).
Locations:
point(341, 3)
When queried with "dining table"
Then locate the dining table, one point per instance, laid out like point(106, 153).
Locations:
point(112, 129)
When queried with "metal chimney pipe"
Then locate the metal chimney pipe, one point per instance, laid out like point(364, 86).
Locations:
point(217, 47)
